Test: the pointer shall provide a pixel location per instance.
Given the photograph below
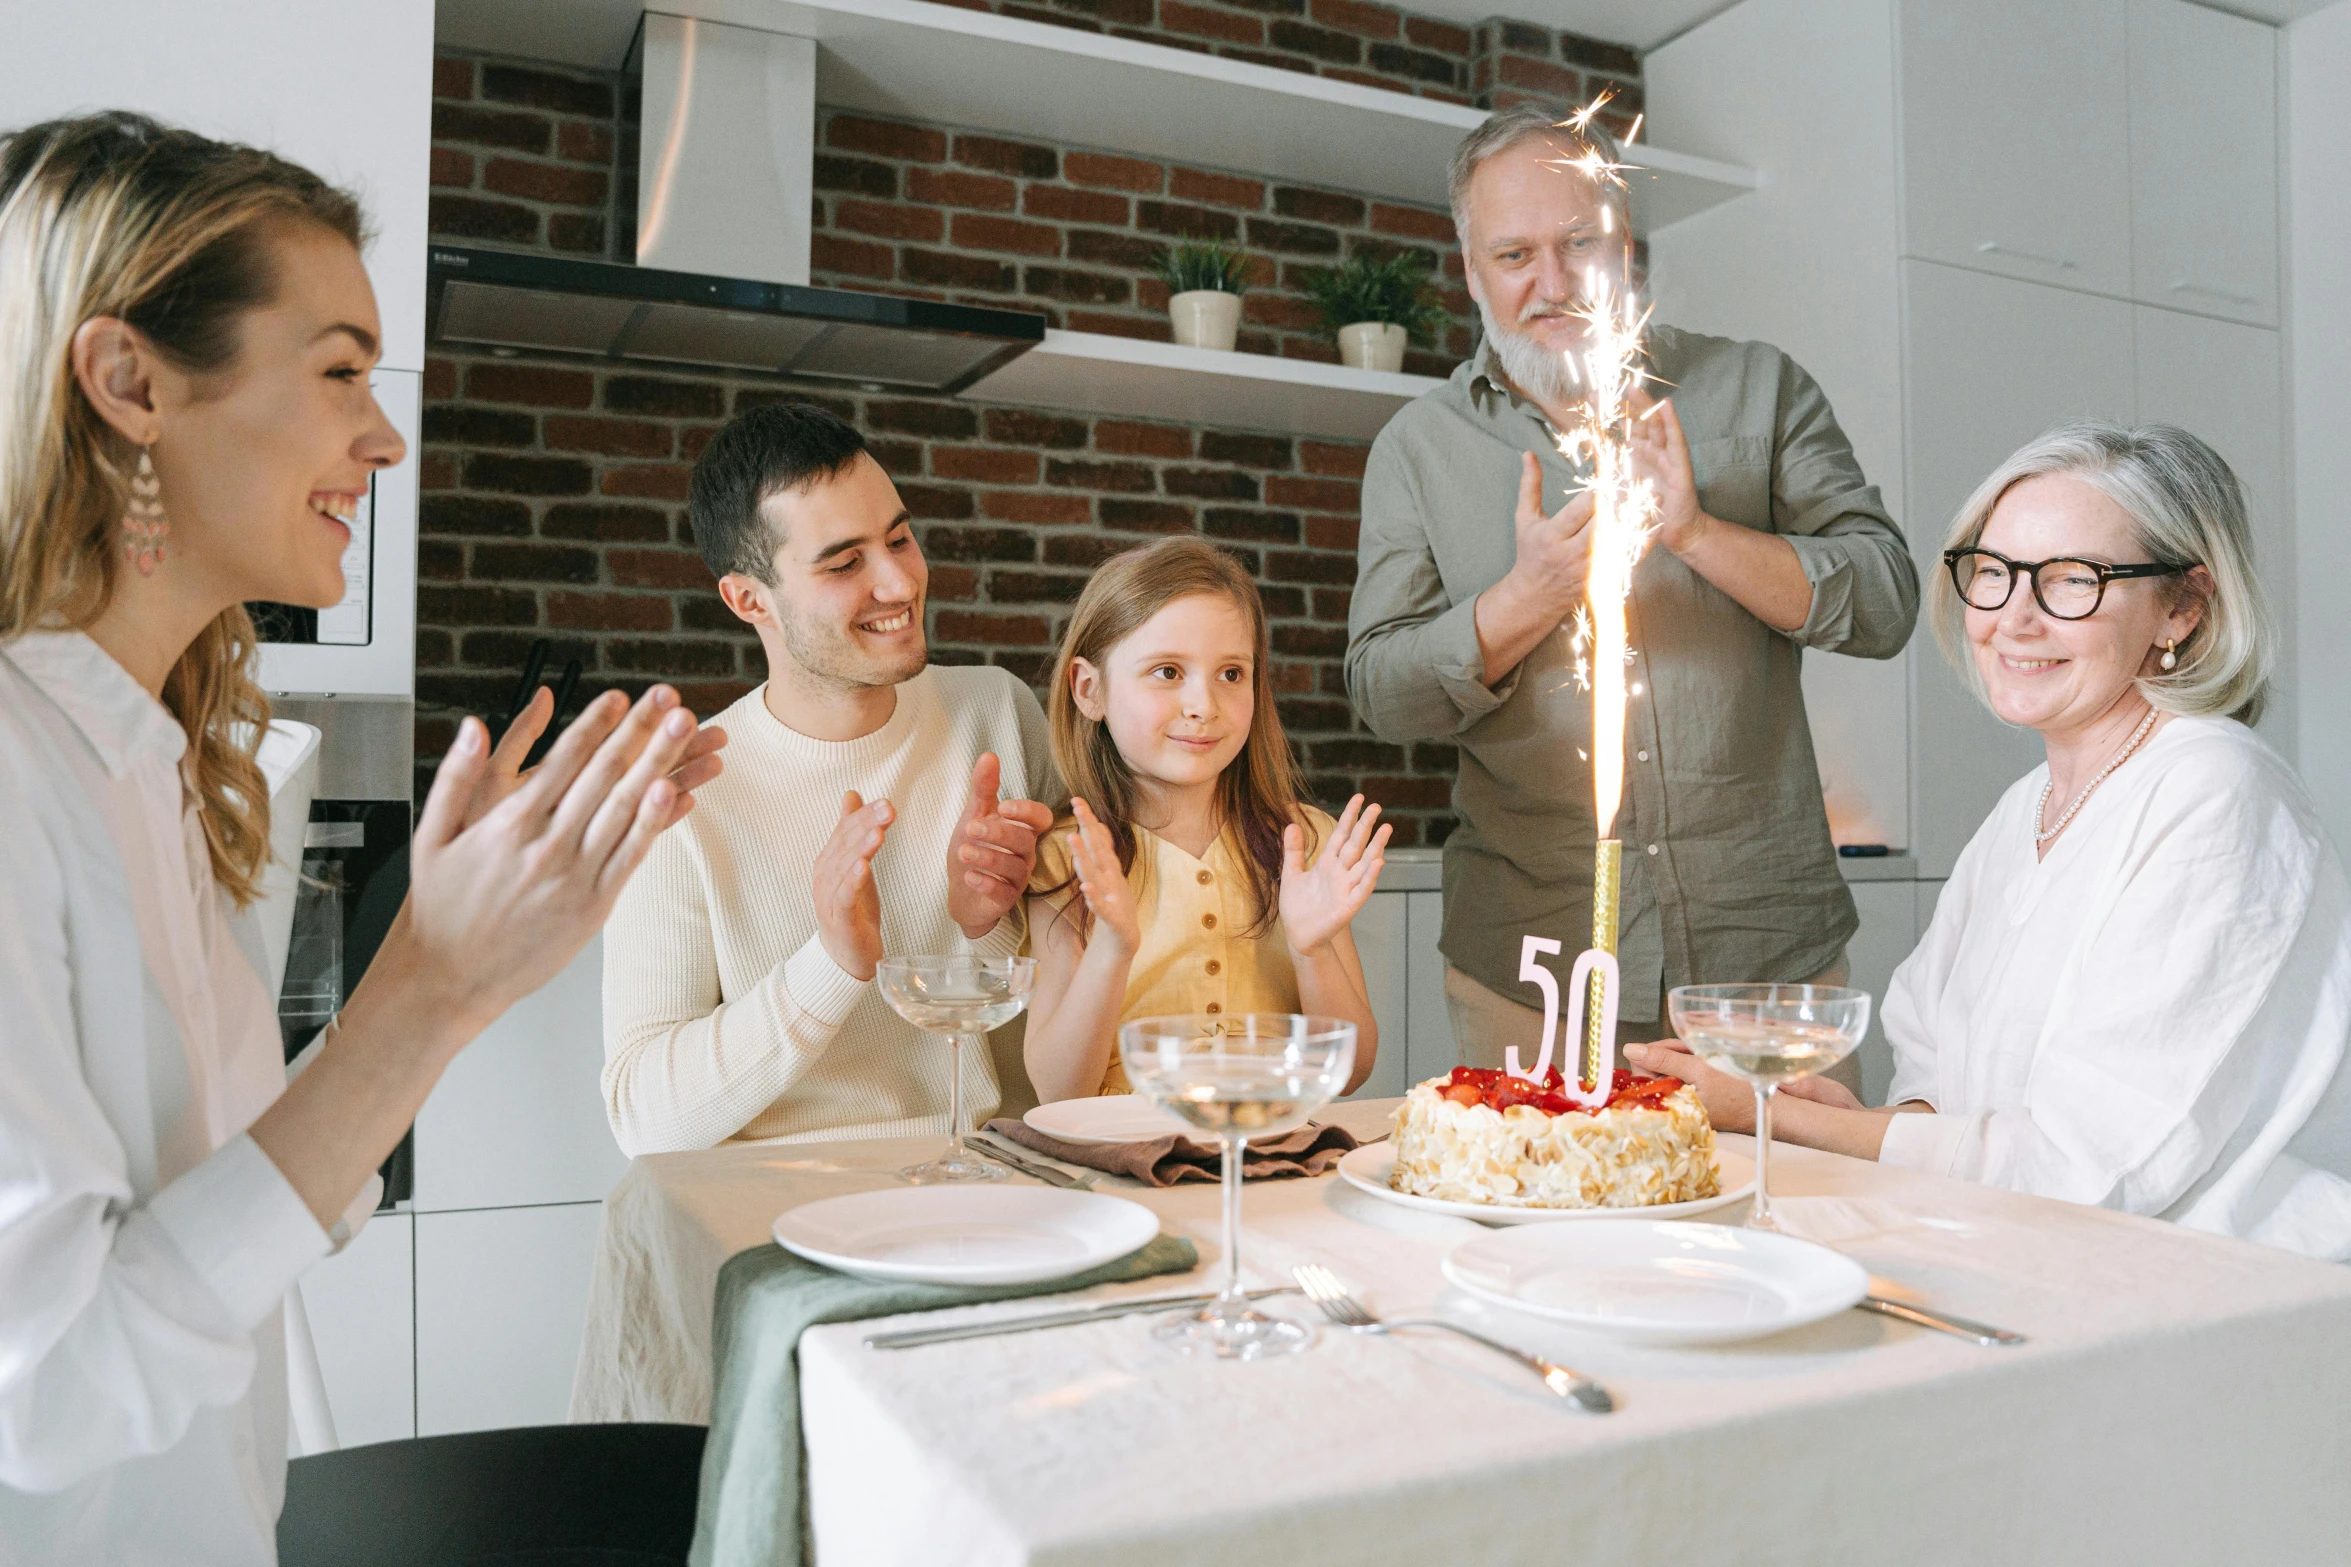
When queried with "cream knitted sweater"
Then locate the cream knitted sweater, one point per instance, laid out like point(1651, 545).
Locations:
point(723, 1016)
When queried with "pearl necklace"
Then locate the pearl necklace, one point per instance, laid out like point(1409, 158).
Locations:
point(2130, 746)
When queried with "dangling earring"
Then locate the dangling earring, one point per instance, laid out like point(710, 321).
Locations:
point(2170, 659)
point(143, 523)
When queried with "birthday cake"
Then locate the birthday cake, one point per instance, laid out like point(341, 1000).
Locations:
point(1484, 1136)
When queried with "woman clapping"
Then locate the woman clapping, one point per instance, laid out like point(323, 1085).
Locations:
point(2136, 990)
point(186, 333)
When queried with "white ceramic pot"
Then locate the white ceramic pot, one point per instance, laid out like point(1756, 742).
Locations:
point(1372, 345)
point(1205, 318)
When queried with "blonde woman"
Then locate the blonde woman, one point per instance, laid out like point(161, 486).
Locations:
point(2136, 991)
point(185, 338)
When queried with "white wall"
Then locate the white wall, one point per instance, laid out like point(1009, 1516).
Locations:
point(2317, 78)
point(344, 87)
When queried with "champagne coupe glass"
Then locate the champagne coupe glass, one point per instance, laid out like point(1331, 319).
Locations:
point(1768, 1035)
point(1237, 1076)
point(961, 997)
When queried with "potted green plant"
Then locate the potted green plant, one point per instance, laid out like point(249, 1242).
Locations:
point(1373, 305)
point(1204, 291)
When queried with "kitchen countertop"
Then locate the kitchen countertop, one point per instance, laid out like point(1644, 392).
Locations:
point(1422, 870)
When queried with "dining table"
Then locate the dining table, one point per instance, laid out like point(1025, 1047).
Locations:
point(2180, 1397)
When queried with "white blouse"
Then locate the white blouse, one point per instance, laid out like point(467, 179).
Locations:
point(145, 1242)
point(2154, 1018)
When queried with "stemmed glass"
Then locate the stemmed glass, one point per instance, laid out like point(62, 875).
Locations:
point(961, 997)
point(1236, 1077)
point(1768, 1035)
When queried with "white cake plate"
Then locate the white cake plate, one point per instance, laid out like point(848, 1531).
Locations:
point(1368, 1168)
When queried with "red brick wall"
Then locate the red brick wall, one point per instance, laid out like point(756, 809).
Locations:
point(554, 490)
point(912, 209)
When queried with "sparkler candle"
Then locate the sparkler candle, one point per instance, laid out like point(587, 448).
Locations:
point(1624, 508)
point(1624, 511)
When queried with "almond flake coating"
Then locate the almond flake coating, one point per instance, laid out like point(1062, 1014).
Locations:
point(1525, 1158)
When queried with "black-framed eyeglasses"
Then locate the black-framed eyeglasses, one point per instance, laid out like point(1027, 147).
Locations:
point(2065, 588)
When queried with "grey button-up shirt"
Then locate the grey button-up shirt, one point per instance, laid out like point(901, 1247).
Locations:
point(1729, 872)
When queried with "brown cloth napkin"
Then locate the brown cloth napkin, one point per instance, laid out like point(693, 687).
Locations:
point(1163, 1161)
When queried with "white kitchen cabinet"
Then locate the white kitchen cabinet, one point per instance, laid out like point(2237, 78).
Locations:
point(345, 90)
point(501, 1299)
point(1808, 263)
point(2204, 161)
point(2226, 383)
point(1889, 929)
point(1433, 1051)
point(361, 1304)
point(2317, 91)
point(519, 1116)
point(1859, 714)
point(2015, 139)
point(1382, 943)
point(1990, 363)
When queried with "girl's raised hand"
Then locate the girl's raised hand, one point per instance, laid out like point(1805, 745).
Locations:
point(1104, 885)
point(1318, 903)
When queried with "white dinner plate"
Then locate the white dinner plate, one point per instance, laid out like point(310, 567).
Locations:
point(1659, 1283)
point(1108, 1118)
point(1369, 1167)
point(966, 1234)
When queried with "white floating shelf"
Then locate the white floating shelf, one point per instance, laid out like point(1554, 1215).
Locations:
point(1092, 373)
point(911, 59)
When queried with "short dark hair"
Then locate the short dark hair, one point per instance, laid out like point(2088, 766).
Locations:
point(760, 451)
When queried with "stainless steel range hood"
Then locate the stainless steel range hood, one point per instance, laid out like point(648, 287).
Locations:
point(724, 122)
point(500, 299)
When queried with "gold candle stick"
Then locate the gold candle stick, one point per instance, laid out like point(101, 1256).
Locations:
point(1607, 876)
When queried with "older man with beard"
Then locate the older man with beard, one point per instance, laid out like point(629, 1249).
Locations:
point(861, 817)
point(1769, 541)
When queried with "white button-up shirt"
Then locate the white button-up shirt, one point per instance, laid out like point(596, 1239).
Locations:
point(2154, 1018)
point(145, 1241)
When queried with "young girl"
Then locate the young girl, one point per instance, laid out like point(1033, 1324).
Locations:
point(1189, 876)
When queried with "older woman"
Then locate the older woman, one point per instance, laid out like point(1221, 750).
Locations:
point(2136, 991)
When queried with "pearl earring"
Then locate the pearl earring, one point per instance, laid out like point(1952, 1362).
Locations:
point(2170, 659)
point(143, 522)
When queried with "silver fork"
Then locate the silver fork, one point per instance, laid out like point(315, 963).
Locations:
point(1324, 1289)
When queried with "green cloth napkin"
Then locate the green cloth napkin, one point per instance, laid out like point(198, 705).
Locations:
point(754, 1472)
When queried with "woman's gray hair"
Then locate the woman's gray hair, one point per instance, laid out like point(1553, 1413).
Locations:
point(2186, 509)
point(1505, 129)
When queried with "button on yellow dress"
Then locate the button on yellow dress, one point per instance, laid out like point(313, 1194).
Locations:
point(1195, 955)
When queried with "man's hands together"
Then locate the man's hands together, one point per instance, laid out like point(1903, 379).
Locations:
point(992, 853)
point(988, 865)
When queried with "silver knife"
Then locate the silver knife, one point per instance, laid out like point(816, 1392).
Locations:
point(1958, 1327)
point(1004, 1156)
point(909, 1338)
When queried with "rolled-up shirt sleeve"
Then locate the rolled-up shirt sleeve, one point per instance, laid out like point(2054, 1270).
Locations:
point(1864, 583)
point(120, 1317)
point(684, 1068)
point(1414, 668)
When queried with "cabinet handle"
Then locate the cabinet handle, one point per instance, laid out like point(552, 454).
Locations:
point(2182, 286)
point(1992, 247)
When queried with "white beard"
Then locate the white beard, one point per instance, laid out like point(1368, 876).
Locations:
point(1538, 372)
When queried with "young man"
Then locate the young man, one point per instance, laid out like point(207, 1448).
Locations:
point(1769, 541)
point(859, 815)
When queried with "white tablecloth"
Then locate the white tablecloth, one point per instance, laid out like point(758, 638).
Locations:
point(2185, 1399)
